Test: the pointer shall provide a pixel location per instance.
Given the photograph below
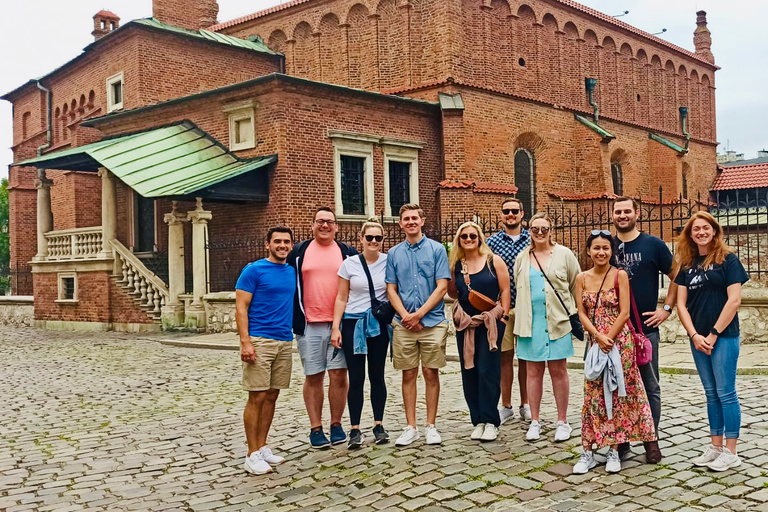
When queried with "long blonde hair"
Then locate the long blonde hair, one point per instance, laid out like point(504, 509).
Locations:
point(686, 250)
point(457, 251)
point(546, 217)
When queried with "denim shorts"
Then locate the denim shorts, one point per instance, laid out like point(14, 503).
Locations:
point(316, 352)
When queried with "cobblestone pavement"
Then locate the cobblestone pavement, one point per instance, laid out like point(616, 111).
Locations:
point(107, 421)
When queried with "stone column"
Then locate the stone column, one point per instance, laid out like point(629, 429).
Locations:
point(173, 311)
point(44, 214)
point(195, 314)
point(108, 211)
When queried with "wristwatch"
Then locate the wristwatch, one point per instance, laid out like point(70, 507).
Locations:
point(667, 308)
point(714, 331)
point(505, 317)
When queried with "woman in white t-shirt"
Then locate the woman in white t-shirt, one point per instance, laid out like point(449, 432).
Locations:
point(352, 303)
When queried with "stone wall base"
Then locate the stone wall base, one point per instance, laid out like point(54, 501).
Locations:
point(62, 325)
point(17, 311)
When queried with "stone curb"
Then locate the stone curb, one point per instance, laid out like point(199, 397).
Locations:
point(576, 365)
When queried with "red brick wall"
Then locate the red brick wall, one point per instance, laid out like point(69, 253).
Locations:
point(185, 13)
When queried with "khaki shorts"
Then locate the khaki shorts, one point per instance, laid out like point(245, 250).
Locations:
point(428, 345)
point(272, 368)
point(510, 340)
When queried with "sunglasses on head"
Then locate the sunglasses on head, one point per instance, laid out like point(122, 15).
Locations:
point(510, 211)
point(371, 238)
point(543, 230)
point(598, 232)
point(471, 236)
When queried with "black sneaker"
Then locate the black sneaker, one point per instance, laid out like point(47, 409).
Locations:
point(355, 439)
point(380, 434)
point(623, 451)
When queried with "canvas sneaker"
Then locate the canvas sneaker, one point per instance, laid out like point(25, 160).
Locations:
point(269, 457)
point(477, 433)
point(433, 436)
point(709, 455)
point(563, 432)
point(380, 434)
point(506, 414)
point(490, 433)
point(612, 461)
point(726, 460)
point(355, 439)
point(586, 462)
point(408, 436)
point(256, 465)
point(525, 412)
point(534, 431)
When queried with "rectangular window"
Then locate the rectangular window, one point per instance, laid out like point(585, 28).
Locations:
point(242, 126)
point(401, 175)
point(353, 185)
point(243, 130)
point(67, 287)
point(115, 92)
point(399, 184)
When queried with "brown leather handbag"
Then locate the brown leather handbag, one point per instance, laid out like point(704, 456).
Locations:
point(479, 301)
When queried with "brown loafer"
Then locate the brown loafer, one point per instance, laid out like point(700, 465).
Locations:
point(652, 452)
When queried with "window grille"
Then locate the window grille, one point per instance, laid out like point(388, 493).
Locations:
point(399, 184)
point(353, 185)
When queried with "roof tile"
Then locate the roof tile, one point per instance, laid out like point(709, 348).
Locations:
point(742, 176)
point(495, 188)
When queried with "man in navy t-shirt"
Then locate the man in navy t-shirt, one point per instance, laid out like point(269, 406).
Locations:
point(643, 257)
point(264, 302)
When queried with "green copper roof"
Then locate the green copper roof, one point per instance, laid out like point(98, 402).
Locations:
point(607, 137)
point(668, 143)
point(256, 45)
point(175, 160)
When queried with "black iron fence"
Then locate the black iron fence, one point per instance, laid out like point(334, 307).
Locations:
point(744, 218)
point(16, 279)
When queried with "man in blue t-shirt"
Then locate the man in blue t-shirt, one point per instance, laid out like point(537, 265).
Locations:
point(264, 304)
point(643, 257)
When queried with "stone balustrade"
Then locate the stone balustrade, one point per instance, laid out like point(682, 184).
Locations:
point(72, 244)
point(139, 280)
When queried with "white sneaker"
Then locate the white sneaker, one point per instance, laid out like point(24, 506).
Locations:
point(534, 431)
point(586, 462)
point(563, 432)
point(256, 465)
point(506, 414)
point(525, 412)
point(490, 433)
point(710, 455)
point(477, 433)
point(726, 460)
point(612, 461)
point(408, 436)
point(269, 457)
point(432, 435)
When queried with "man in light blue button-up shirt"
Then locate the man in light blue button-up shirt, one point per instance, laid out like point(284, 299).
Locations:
point(417, 279)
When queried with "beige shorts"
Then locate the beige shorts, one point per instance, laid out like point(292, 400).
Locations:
point(510, 340)
point(272, 368)
point(427, 346)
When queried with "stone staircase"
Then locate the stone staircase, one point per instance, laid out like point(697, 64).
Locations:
point(148, 291)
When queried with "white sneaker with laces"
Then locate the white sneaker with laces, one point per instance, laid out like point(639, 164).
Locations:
point(490, 433)
point(612, 461)
point(269, 457)
point(586, 462)
point(534, 431)
point(408, 436)
point(726, 460)
point(506, 414)
point(710, 455)
point(563, 432)
point(256, 465)
point(432, 435)
point(525, 412)
point(477, 433)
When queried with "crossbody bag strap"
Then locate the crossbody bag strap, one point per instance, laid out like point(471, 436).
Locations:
point(550, 282)
point(465, 273)
point(368, 275)
point(597, 302)
point(637, 326)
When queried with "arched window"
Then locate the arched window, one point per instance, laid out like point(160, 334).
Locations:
point(617, 176)
point(525, 179)
point(685, 183)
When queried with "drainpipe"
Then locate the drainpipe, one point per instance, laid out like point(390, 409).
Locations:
point(49, 101)
point(684, 123)
point(589, 85)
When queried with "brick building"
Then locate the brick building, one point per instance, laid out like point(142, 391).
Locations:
point(219, 130)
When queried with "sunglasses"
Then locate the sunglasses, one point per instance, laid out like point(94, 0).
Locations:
point(320, 222)
point(471, 236)
point(371, 238)
point(598, 232)
point(543, 230)
point(510, 211)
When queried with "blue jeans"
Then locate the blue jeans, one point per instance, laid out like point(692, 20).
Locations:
point(718, 376)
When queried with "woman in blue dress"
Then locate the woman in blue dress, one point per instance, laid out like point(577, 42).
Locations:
point(542, 273)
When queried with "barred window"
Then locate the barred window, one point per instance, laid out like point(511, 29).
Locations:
point(353, 185)
point(525, 179)
point(399, 184)
point(617, 176)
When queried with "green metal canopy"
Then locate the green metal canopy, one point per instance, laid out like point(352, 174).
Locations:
point(176, 160)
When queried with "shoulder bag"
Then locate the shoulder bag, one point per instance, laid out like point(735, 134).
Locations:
point(382, 310)
point(643, 347)
point(576, 328)
point(479, 301)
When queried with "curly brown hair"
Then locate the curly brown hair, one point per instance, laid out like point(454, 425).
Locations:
point(686, 250)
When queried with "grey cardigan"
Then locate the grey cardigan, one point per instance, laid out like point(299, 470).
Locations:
point(609, 366)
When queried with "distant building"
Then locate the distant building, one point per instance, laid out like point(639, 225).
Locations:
point(729, 157)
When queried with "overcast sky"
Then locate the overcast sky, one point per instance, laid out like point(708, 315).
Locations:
point(36, 36)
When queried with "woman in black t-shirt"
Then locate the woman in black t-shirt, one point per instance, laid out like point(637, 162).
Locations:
point(710, 278)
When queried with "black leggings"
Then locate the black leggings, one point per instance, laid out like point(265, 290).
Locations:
point(377, 358)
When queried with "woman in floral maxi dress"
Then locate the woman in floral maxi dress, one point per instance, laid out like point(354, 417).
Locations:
point(632, 420)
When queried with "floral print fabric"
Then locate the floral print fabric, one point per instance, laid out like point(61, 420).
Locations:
point(632, 420)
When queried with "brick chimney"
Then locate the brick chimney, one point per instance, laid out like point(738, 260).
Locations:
point(189, 14)
point(702, 39)
point(104, 22)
